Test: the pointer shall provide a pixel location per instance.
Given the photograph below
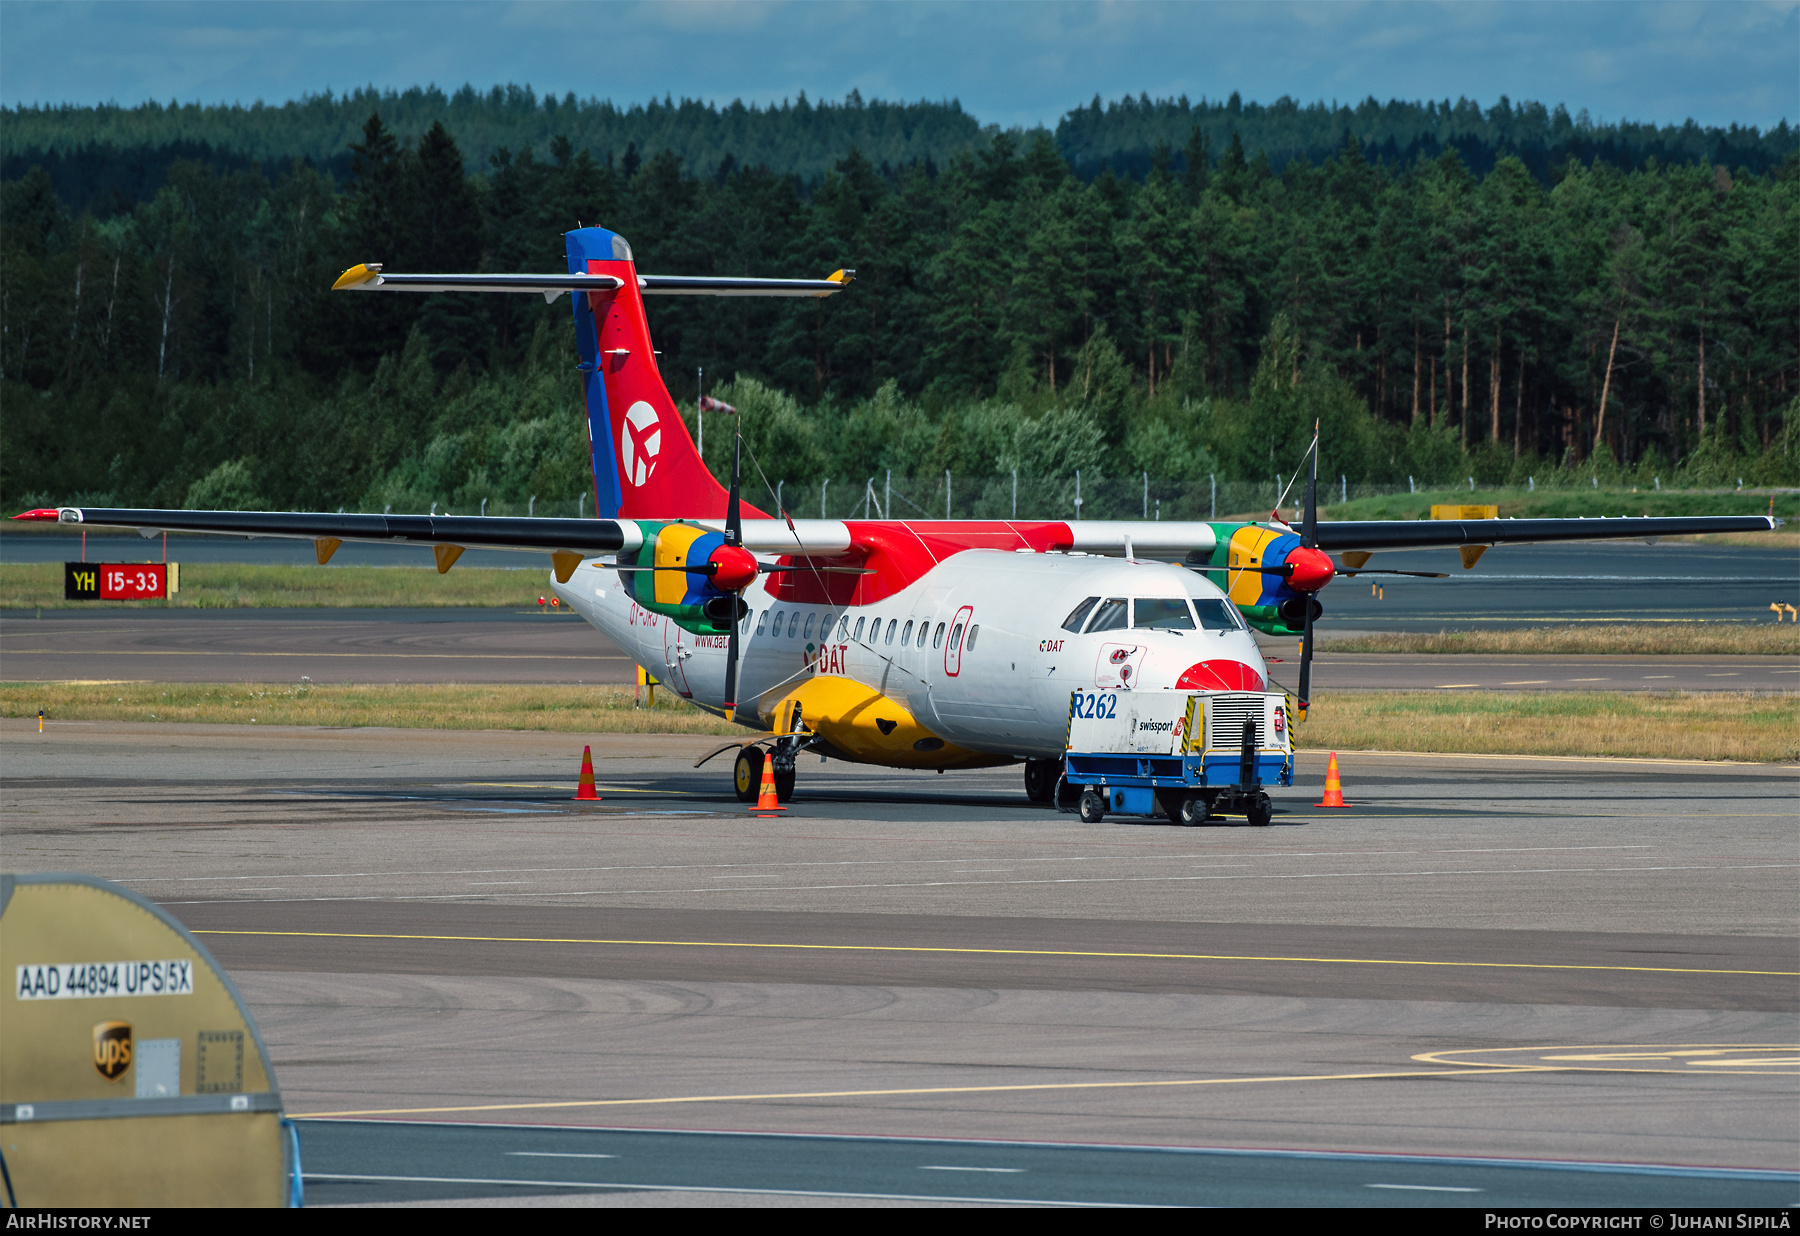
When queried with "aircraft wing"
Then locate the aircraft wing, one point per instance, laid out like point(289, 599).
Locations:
point(568, 541)
point(1381, 534)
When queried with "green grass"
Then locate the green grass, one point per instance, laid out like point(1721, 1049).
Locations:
point(1706, 726)
point(1702, 726)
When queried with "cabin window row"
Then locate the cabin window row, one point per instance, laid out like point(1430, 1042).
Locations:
point(778, 623)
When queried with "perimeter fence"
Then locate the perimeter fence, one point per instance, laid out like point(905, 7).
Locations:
point(1077, 496)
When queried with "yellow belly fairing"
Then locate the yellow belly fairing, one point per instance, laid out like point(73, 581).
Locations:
point(864, 725)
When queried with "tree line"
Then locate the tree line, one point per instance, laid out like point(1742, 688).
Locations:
point(102, 155)
point(1193, 321)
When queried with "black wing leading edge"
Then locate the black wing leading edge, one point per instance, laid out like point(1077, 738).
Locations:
point(1380, 534)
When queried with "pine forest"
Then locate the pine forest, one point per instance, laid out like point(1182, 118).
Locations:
point(1157, 295)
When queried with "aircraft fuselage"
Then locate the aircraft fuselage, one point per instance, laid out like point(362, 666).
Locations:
point(976, 649)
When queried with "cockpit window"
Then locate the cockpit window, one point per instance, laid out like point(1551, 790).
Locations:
point(1216, 615)
point(1162, 614)
point(1113, 615)
point(1079, 614)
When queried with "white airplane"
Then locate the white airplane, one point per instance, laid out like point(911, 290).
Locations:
point(906, 643)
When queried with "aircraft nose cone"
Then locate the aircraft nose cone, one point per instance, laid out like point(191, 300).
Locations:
point(1221, 675)
point(1313, 569)
point(736, 568)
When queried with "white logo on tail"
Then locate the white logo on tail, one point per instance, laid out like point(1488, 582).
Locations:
point(640, 442)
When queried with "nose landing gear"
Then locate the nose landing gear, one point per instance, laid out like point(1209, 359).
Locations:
point(746, 774)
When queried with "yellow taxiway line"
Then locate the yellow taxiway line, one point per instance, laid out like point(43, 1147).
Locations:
point(1487, 1070)
point(994, 952)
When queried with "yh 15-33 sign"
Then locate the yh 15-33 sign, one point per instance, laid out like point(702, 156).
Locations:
point(120, 581)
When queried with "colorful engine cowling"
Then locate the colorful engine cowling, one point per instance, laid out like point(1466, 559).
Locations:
point(690, 594)
point(1273, 604)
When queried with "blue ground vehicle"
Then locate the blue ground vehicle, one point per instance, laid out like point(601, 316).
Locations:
point(1190, 756)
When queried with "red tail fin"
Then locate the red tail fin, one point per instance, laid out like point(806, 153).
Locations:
point(645, 463)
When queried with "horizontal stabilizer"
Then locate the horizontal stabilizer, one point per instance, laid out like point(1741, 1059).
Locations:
point(369, 277)
point(722, 285)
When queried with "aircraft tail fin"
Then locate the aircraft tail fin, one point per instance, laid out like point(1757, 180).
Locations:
point(645, 462)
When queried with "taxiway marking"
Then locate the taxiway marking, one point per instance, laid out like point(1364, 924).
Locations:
point(880, 862)
point(993, 952)
point(1155, 879)
point(1479, 1071)
point(1707, 1058)
point(706, 1188)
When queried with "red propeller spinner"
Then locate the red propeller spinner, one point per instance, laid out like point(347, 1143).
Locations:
point(1313, 568)
point(735, 568)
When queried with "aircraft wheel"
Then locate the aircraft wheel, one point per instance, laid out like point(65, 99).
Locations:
point(1040, 779)
point(1194, 810)
point(746, 774)
point(1261, 811)
point(1093, 807)
point(784, 785)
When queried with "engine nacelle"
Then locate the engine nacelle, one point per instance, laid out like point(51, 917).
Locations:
point(693, 561)
point(1274, 604)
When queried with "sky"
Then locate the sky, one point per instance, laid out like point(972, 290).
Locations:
point(1023, 62)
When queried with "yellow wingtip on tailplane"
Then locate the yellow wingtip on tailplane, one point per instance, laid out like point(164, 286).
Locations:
point(840, 277)
point(357, 276)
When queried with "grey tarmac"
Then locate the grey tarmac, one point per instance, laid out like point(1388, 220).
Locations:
point(1583, 961)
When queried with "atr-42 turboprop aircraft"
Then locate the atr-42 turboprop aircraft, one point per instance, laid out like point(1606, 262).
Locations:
point(927, 644)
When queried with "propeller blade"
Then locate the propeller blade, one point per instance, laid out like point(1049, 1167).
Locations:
point(712, 568)
point(1306, 655)
point(769, 566)
point(734, 514)
point(734, 535)
point(1414, 574)
point(699, 568)
point(731, 660)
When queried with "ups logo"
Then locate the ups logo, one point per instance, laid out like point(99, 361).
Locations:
point(112, 1048)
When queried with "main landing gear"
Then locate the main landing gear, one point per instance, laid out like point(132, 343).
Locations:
point(1046, 785)
point(1041, 777)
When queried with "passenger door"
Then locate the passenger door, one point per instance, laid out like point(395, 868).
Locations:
point(953, 645)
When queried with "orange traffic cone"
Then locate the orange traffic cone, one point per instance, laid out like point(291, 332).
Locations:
point(1334, 790)
point(765, 798)
point(584, 792)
